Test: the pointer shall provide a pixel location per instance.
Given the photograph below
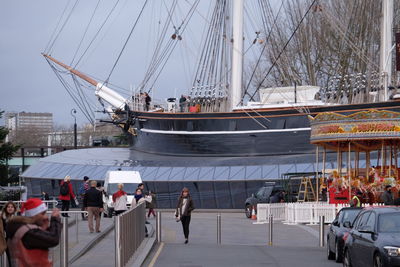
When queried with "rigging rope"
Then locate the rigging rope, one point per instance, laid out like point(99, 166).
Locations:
point(97, 33)
point(126, 41)
point(84, 34)
point(55, 29)
point(283, 49)
point(62, 27)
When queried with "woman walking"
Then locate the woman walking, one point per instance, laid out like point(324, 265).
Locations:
point(9, 210)
point(184, 210)
point(66, 195)
point(120, 200)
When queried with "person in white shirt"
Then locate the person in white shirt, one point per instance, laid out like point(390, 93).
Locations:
point(120, 200)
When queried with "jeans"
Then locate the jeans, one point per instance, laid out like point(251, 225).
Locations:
point(185, 225)
point(65, 207)
point(94, 212)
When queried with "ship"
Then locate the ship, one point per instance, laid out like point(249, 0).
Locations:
point(215, 121)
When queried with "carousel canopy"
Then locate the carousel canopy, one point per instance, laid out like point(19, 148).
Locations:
point(367, 130)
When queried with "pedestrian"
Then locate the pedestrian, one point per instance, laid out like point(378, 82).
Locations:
point(182, 103)
point(141, 187)
point(120, 200)
point(66, 195)
point(184, 210)
point(356, 200)
point(387, 197)
point(9, 211)
point(147, 100)
point(152, 205)
point(45, 196)
point(82, 190)
point(93, 203)
point(103, 192)
point(30, 236)
point(138, 199)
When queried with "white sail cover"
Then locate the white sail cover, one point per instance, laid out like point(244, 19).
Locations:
point(110, 96)
point(280, 95)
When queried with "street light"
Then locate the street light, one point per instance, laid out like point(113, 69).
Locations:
point(73, 112)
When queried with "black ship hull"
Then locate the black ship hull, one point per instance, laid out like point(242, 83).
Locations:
point(278, 131)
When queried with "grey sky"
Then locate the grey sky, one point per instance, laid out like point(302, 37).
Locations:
point(27, 82)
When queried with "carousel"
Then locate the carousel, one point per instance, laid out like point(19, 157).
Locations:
point(366, 145)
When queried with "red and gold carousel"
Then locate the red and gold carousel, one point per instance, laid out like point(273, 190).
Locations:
point(358, 139)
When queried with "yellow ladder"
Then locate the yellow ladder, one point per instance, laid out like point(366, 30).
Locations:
point(306, 190)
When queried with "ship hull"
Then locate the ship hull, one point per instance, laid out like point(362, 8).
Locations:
point(263, 132)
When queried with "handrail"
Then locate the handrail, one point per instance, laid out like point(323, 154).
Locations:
point(129, 233)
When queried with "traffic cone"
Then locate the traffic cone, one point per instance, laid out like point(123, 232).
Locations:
point(253, 214)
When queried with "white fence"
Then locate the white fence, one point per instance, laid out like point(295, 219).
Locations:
point(295, 213)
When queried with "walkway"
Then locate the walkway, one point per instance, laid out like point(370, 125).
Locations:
point(243, 244)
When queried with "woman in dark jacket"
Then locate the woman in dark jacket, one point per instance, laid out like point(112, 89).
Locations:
point(184, 210)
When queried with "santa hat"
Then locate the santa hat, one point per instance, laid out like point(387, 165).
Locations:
point(32, 207)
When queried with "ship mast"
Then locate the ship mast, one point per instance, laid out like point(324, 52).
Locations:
point(237, 53)
point(386, 46)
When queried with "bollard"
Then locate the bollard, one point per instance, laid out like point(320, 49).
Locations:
point(219, 228)
point(321, 231)
point(270, 224)
point(64, 243)
point(158, 226)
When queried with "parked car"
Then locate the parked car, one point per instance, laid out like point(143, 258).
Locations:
point(340, 226)
point(374, 239)
point(263, 195)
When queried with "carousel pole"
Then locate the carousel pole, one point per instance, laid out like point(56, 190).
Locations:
point(357, 165)
point(367, 164)
point(391, 160)
point(349, 169)
point(316, 173)
point(383, 158)
point(324, 162)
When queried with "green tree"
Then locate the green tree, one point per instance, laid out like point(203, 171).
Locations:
point(6, 152)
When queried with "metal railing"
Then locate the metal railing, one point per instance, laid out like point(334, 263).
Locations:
point(64, 242)
point(129, 233)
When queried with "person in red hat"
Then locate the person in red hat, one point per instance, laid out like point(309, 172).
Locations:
point(30, 236)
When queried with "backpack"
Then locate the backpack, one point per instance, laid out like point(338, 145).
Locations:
point(64, 189)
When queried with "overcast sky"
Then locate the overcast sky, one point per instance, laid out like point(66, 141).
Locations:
point(27, 83)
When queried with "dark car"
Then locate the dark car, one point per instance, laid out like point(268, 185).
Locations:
point(374, 239)
point(338, 228)
point(263, 195)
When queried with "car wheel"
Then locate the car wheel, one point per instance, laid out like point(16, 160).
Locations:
point(330, 254)
point(377, 261)
point(248, 211)
point(346, 260)
point(338, 253)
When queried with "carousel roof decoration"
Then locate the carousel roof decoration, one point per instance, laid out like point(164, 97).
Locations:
point(370, 127)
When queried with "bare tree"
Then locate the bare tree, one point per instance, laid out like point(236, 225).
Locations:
point(336, 38)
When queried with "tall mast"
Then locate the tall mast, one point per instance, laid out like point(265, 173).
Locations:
point(237, 53)
point(386, 45)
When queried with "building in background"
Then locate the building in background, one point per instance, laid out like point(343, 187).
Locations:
point(29, 128)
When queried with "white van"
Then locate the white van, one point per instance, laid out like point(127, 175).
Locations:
point(130, 179)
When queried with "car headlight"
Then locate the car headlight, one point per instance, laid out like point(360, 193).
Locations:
point(392, 251)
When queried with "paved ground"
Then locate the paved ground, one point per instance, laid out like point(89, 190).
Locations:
point(84, 237)
point(243, 244)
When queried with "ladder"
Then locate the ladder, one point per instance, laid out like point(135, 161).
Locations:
point(306, 190)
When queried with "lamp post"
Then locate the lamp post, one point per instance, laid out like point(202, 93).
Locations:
point(73, 112)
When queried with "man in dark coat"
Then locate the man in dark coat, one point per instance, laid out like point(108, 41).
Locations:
point(93, 203)
point(387, 196)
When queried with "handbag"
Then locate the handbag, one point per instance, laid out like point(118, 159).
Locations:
point(76, 202)
point(178, 215)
